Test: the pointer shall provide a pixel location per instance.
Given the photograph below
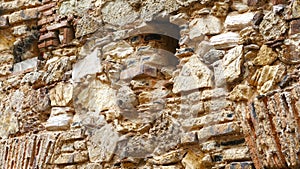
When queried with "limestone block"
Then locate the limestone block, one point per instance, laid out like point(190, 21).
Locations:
point(61, 94)
point(118, 13)
point(23, 15)
point(102, 144)
point(169, 158)
point(241, 92)
point(86, 25)
point(238, 153)
point(213, 55)
point(235, 21)
point(206, 25)
point(89, 65)
point(56, 68)
point(265, 56)
point(218, 130)
point(7, 61)
point(272, 26)
point(89, 97)
point(193, 161)
point(138, 70)
point(225, 40)
point(220, 9)
point(194, 75)
point(266, 77)
point(296, 9)
point(120, 49)
point(232, 62)
point(219, 76)
point(240, 7)
point(60, 119)
point(25, 65)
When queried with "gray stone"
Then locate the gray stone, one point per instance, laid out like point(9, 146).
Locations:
point(213, 55)
point(102, 144)
point(235, 21)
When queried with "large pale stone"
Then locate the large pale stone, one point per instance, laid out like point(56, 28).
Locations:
point(241, 92)
point(90, 97)
point(235, 21)
point(88, 65)
point(207, 25)
point(26, 64)
point(60, 118)
point(225, 40)
point(194, 75)
point(61, 94)
point(102, 144)
point(232, 63)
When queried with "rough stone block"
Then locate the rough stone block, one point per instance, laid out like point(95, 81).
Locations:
point(4, 22)
point(225, 40)
point(294, 27)
point(235, 21)
point(138, 70)
point(24, 65)
point(23, 15)
point(58, 25)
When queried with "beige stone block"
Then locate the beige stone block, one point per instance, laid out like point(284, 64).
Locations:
point(61, 94)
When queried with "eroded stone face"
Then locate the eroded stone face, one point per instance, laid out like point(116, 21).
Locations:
point(149, 84)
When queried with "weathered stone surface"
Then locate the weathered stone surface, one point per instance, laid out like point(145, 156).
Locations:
point(86, 25)
point(23, 15)
point(235, 21)
point(272, 26)
point(119, 13)
point(25, 65)
point(61, 94)
point(220, 9)
point(241, 92)
point(6, 61)
point(60, 118)
point(213, 55)
point(266, 77)
point(232, 63)
point(296, 9)
point(225, 40)
point(89, 65)
point(206, 25)
point(290, 53)
point(194, 75)
point(193, 161)
point(265, 56)
point(102, 144)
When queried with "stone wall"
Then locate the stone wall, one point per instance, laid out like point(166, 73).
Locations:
point(149, 84)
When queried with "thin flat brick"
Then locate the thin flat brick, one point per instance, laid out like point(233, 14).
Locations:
point(68, 35)
point(47, 6)
point(48, 12)
point(58, 25)
point(48, 35)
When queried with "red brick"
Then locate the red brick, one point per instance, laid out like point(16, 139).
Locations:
point(68, 35)
point(276, 2)
point(62, 24)
point(46, 20)
point(52, 42)
point(49, 35)
point(3, 22)
point(295, 27)
point(48, 12)
point(47, 6)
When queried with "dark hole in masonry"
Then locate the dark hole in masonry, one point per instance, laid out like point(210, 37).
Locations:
point(217, 158)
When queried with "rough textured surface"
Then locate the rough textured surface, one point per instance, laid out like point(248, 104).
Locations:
point(173, 84)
